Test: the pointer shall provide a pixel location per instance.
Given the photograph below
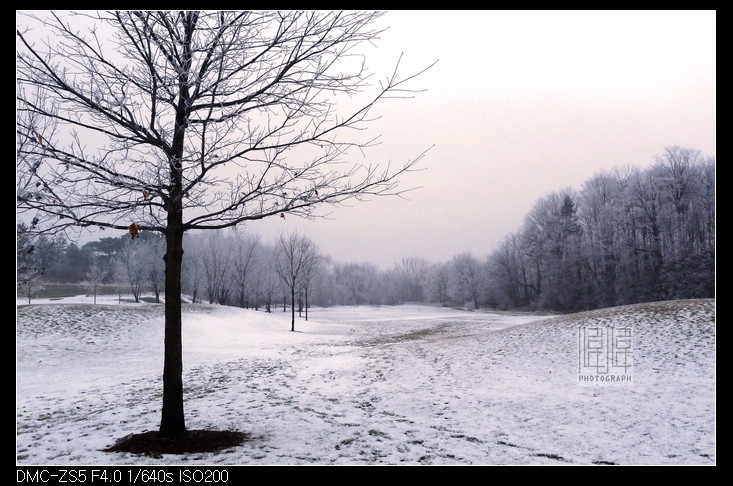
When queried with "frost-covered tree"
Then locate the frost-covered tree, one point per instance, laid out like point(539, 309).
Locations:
point(468, 279)
point(216, 263)
point(266, 284)
point(192, 275)
point(30, 264)
point(152, 249)
point(508, 274)
point(601, 215)
point(410, 279)
point(95, 276)
point(244, 263)
point(177, 121)
point(308, 279)
point(295, 264)
point(438, 282)
point(131, 268)
point(630, 235)
point(356, 283)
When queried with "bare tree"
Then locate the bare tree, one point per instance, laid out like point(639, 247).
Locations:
point(309, 274)
point(468, 278)
point(411, 275)
point(244, 262)
point(216, 262)
point(177, 121)
point(192, 276)
point(296, 259)
point(130, 268)
point(95, 276)
point(508, 274)
point(437, 282)
point(29, 264)
point(266, 282)
point(154, 248)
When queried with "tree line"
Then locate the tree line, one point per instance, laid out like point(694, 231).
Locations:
point(626, 236)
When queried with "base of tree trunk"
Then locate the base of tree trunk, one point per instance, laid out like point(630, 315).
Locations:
point(152, 444)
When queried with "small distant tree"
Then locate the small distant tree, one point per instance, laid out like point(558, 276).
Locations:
point(131, 269)
point(180, 121)
point(192, 276)
point(267, 282)
point(95, 276)
point(438, 283)
point(411, 274)
point(244, 261)
point(216, 263)
point(468, 279)
point(154, 249)
point(297, 255)
point(310, 272)
point(355, 283)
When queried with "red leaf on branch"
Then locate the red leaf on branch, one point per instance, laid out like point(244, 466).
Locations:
point(134, 231)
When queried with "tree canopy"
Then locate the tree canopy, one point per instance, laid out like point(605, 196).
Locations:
point(176, 121)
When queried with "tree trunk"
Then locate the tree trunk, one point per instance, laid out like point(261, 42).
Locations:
point(292, 308)
point(173, 423)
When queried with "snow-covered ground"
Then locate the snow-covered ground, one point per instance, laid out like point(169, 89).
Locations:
point(367, 385)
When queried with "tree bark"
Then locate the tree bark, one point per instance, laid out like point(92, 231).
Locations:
point(172, 422)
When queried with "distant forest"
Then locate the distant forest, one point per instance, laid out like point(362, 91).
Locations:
point(625, 236)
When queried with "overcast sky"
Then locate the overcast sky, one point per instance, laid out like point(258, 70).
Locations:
point(520, 104)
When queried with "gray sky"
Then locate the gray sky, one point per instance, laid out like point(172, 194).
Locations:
point(520, 104)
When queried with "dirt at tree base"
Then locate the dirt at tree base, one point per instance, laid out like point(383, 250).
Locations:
point(151, 443)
